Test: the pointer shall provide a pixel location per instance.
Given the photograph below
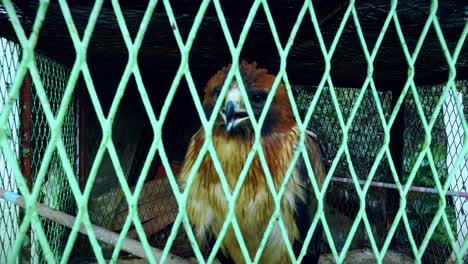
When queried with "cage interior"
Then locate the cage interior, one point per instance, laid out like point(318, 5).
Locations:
point(159, 58)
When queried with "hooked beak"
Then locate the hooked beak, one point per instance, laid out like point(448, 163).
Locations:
point(233, 112)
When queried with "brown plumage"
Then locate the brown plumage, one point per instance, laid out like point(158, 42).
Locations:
point(233, 137)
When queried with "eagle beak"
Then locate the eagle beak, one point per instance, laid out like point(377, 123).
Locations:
point(233, 112)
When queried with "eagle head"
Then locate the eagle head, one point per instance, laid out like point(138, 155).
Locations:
point(233, 117)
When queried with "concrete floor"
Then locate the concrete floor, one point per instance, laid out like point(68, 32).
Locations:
point(366, 256)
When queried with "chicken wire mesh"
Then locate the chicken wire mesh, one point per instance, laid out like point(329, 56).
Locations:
point(347, 122)
point(364, 140)
point(55, 192)
point(445, 145)
point(9, 213)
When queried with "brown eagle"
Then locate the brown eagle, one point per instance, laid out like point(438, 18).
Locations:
point(233, 137)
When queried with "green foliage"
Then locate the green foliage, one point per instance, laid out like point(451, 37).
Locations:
point(421, 210)
point(366, 131)
point(422, 207)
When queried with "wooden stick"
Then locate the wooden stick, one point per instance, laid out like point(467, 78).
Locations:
point(129, 245)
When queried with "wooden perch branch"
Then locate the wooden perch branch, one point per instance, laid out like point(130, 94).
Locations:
point(129, 245)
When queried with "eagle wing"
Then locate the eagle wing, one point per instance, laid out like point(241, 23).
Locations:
point(307, 206)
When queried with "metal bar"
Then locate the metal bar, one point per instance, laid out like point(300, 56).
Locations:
point(129, 245)
point(394, 186)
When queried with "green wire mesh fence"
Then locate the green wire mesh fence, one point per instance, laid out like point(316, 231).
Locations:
point(363, 144)
point(365, 137)
point(10, 218)
point(59, 155)
point(445, 146)
point(55, 192)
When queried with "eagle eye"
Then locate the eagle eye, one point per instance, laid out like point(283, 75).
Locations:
point(258, 98)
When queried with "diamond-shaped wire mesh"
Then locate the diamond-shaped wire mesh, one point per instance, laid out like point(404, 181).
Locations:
point(368, 135)
point(355, 125)
point(446, 141)
point(55, 192)
point(9, 213)
point(365, 138)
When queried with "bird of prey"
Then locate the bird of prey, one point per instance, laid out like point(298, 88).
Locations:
point(233, 137)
